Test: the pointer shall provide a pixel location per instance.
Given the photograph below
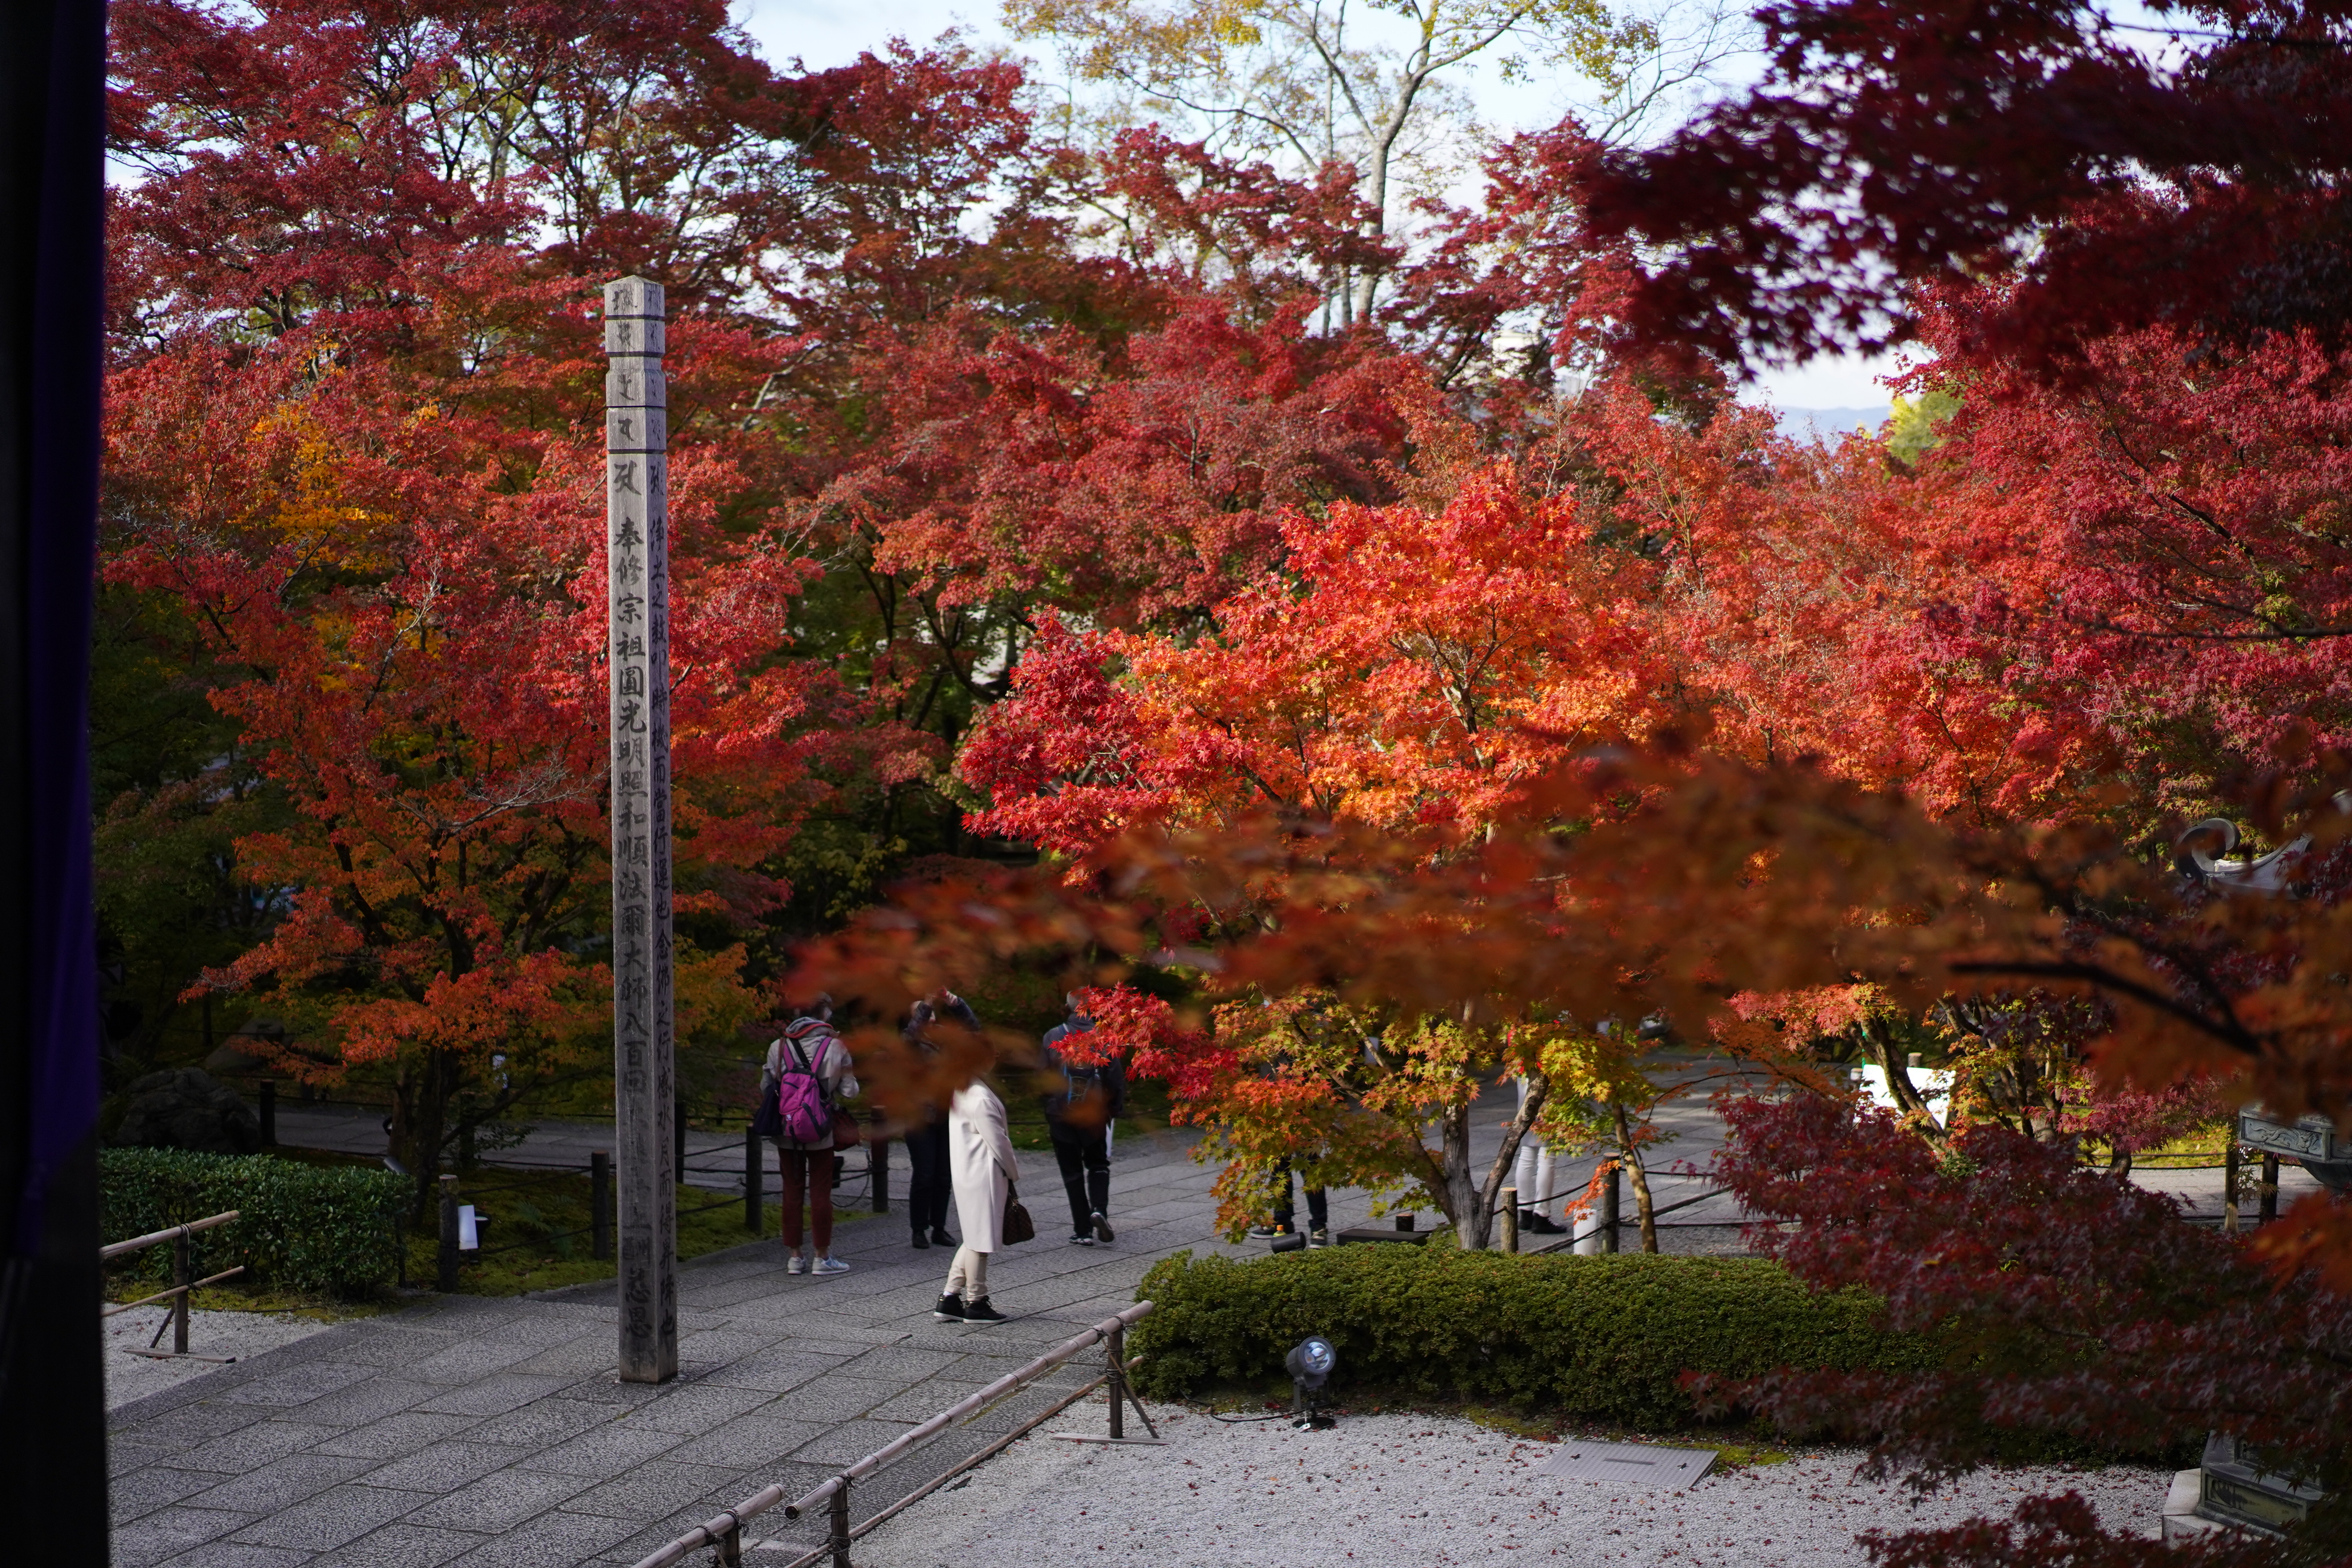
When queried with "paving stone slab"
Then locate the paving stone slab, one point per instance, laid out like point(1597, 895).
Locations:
point(551, 1540)
point(699, 1407)
point(850, 1441)
point(590, 1355)
point(493, 1395)
point(747, 1442)
point(400, 1546)
point(723, 1347)
point(828, 1401)
point(142, 1491)
point(393, 1436)
point(609, 1449)
point(445, 1466)
point(195, 1423)
point(776, 1371)
point(323, 1523)
point(250, 1447)
point(545, 1422)
point(302, 1383)
point(926, 1400)
point(364, 1403)
point(125, 1454)
point(657, 1487)
point(169, 1531)
point(499, 1502)
point(279, 1484)
point(471, 1359)
point(234, 1554)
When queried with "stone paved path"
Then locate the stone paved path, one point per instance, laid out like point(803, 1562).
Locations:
point(493, 1431)
point(490, 1431)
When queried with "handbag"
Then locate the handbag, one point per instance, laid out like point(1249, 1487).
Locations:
point(845, 1131)
point(1018, 1227)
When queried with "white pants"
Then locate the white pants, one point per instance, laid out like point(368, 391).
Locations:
point(968, 1275)
point(1534, 1175)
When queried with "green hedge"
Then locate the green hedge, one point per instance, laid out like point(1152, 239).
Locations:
point(305, 1228)
point(1600, 1339)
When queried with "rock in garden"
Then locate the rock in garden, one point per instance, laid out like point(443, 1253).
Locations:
point(187, 1108)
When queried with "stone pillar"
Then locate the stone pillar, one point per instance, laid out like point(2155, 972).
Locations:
point(636, 543)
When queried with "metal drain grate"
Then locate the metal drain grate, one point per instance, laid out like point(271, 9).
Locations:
point(1626, 1464)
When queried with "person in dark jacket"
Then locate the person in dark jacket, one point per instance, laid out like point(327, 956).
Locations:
point(930, 1187)
point(1080, 1102)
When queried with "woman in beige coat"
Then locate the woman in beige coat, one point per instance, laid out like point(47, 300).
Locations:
point(981, 1156)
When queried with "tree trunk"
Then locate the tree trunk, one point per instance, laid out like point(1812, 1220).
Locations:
point(1459, 1198)
point(1642, 1205)
point(1469, 1206)
point(421, 1119)
point(1908, 1099)
point(1515, 1132)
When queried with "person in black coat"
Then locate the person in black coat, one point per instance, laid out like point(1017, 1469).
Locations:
point(1080, 1104)
point(930, 1187)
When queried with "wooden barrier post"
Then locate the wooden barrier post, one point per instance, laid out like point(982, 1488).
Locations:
point(1116, 1341)
point(1510, 1200)
point(878, 1173)
point(1609, 1211)
point(2229, 1164)
point(182, 1276)
point(838, 1518)
point(754, 1177)
point(449, 1273)
point(600, 1204)
point(2269, 1188)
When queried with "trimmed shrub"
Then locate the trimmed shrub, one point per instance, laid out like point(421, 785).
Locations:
point(305, 1228)
point(1598, 1339)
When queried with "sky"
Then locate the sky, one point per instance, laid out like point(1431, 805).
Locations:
point(826, 33)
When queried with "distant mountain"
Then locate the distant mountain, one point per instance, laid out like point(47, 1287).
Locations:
point(1803, 423)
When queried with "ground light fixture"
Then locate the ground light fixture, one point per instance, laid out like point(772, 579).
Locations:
point(1309, 1366)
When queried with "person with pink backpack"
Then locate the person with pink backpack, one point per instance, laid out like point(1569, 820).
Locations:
point(807, 1076)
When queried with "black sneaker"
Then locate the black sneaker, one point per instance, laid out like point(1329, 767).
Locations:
point(922, 1241)
point(1541, 1223)
point(1080, 1239)
point(1103, 1232)
point(952, 1309)
point(939, 1237)
point(980, 1312)
point(1319, 1236)
point(1262, 1231)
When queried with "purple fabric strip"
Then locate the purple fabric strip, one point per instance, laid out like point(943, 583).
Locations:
point(68, 342)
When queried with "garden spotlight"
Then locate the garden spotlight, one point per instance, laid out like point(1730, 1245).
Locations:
point(1309, 1366)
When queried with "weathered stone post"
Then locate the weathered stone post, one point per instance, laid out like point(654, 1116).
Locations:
point(636, 542)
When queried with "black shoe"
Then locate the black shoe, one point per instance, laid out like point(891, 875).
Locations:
point(980, 1312)
point(952, 1309)
point(922, 1241)
point(1103, 1232)
point(1080, 1239)
point(1262, 1231)
point(941, 1238)
point(1541, 1223)
point(1319, 1236)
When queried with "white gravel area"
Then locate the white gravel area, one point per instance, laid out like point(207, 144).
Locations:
point(240, 1334)
point(1393, 1490)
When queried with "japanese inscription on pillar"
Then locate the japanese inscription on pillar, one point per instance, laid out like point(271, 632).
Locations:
point(637, 517)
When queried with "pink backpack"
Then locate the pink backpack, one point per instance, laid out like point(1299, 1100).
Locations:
point(801, 1100)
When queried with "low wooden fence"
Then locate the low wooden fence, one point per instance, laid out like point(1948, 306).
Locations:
point(181, 1286)
point(724, 1535)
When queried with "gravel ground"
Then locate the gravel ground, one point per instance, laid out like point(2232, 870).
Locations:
point(129, 1377)
point(1389, 1491)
